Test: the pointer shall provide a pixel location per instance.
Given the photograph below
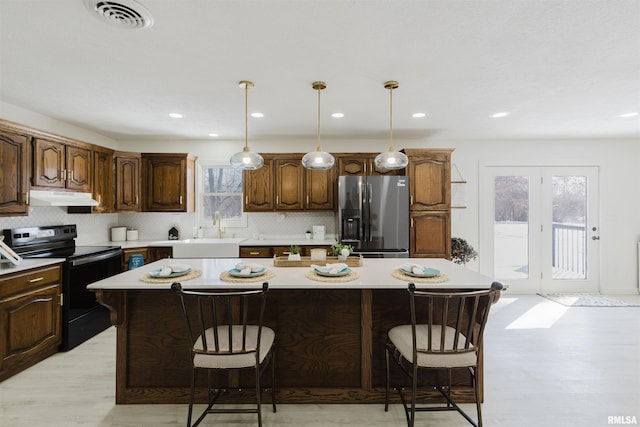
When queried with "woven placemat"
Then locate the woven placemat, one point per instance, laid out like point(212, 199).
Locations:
point(190, 275)
point(352, 275)
point(398, 274)
point(226, 277)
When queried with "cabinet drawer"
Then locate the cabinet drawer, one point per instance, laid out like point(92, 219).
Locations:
point(30, 279)
point(255, 252)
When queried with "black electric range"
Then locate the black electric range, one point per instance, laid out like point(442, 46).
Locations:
point(82, 316)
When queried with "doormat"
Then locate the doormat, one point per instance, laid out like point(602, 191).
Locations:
point(585, 300)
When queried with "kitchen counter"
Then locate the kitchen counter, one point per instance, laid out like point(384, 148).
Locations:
point(374, 274)
point(330, 336)
point(27, 264)
point(286, 241)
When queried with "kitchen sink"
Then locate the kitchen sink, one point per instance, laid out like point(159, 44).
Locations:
point(207, 248)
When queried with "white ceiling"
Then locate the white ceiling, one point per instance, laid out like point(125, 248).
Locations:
point(562, 68)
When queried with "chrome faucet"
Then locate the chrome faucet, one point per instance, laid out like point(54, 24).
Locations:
point(217, 220)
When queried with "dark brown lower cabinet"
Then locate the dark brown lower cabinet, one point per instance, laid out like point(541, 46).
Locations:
point(30, 316)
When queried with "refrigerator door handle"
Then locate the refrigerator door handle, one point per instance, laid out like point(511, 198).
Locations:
point(369, 192)
point(363, 208)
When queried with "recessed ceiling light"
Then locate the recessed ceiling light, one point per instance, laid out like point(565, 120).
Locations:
point(176, 115)
point(337, 115)
point(257, 115)
point(213, 134)
point(500, 114)
point(625, 115)
point(418, 115)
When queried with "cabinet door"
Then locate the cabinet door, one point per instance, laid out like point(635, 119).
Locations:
point(126, 254)
point(78, 165)
point(31, 324)
point(289, 175)
point(49, 164)
point(430, 234)
point(319, 190)
point(362, 164)
point(14, 174)
point(164, 179)
point(127, 183)
point(257, 186)
point(430, 182)
point(160, 252)
point(356, 165)
point(103, 181)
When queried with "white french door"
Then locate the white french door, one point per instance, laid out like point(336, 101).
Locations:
point(539, 227)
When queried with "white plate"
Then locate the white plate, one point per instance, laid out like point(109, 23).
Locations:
point(342, 272)
point(428, 272)
point(156, 273)
point(238, 273)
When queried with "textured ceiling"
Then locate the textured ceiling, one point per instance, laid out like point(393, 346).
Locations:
point(563, 69)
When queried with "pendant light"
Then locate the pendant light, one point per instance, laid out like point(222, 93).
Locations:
point(391, 159)
point(246, 159)
point(318, 160)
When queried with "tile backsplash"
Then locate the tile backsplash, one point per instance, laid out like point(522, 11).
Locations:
point(93, 228)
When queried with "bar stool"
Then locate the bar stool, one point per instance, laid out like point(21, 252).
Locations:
point(445, 333)
point(226, 333)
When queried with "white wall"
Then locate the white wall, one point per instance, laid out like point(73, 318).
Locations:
point(616, 159)
point(42, 123)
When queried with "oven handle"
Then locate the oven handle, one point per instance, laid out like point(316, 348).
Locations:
point(94, 258)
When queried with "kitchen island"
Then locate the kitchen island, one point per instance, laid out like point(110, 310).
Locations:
point(329, 336)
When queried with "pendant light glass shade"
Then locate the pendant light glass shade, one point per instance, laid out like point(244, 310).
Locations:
point(246, 159)
point(318, 160)
point(391, 159)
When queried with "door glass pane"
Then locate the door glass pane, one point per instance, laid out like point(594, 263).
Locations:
point(569, 227)
point(511, 227)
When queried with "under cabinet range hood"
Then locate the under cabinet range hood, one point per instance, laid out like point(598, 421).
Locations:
point(60, 198)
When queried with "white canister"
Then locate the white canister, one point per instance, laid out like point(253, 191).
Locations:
point(118, 234)
point(318, 254)
point(132, 234)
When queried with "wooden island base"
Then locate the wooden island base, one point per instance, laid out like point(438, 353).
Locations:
point(329, 346)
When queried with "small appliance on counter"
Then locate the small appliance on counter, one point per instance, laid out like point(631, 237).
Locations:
point(318, 232)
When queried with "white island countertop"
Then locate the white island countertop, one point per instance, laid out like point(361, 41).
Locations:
point(375, 273)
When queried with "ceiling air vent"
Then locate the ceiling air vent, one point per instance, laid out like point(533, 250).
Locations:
point(127, 14)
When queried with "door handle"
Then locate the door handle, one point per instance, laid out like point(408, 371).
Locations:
point(595, 238)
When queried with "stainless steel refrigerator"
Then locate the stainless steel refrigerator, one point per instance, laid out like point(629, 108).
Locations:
point(373, 215)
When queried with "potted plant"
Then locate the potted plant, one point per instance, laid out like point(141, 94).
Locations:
point(461, 251)
point(341, 251)
point(295, 253)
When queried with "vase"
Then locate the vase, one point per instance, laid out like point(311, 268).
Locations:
point(294, 257)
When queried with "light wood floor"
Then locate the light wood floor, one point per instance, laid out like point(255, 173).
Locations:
point(546, 365)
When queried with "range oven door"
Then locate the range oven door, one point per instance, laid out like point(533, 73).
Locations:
point(82, 316)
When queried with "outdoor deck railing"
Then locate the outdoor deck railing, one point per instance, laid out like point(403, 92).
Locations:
point(569, 248)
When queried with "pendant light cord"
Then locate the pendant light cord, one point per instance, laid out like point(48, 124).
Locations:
point(391, 119)
point(246, 116)
point(318, 146)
